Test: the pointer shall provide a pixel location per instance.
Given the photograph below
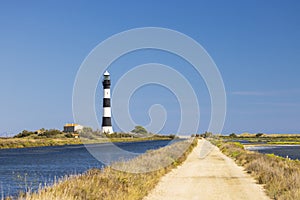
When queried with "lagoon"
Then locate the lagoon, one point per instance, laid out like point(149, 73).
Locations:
point(291, 151)
point(32, 168)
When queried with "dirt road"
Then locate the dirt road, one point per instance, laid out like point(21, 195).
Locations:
point(207, 174)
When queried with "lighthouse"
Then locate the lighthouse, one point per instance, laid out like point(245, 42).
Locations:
point(106, 119)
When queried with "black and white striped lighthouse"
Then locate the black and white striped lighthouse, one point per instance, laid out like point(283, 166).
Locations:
point(106, 119)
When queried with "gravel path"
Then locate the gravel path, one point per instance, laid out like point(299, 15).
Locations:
point(207, 174)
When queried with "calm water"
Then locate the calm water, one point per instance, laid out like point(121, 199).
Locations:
point(34, 167)
point(292, 151)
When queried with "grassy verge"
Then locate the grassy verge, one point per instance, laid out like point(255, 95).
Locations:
point(267, 139)
point(6, 143)
point(279, 176)
point(112, 184)
point(285, 143)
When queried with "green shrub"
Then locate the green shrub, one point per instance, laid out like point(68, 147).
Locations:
point(24, 133)
point(51, 133)
point(233, 135)
point(69, 135)
point(139, 130)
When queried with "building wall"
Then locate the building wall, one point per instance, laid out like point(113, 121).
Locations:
point(69, 129)
point(78, 127)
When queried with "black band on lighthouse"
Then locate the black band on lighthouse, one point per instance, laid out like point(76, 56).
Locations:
point(106, 102)
point(106, 84)
point(106, 121)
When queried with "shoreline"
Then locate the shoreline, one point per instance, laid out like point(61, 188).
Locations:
point(113, 183)
point(269, 145)
point(17, 143)
point(226, 171)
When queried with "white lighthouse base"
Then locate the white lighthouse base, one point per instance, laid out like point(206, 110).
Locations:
point(107, 129)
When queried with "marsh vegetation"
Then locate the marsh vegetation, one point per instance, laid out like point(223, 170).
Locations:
point(53, 137)
point(109, 183)
point(265, 139)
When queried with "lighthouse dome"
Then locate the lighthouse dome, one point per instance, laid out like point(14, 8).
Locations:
point(106, 73)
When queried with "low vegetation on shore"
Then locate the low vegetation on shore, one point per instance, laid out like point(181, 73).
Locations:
point(264, 139)
point(109, 183)
point(54, 137)
point(6, 143)
point(279, 176)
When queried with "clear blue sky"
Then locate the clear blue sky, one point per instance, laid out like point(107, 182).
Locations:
point(255, 44)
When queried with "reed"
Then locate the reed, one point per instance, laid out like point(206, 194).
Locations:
point(115, 182)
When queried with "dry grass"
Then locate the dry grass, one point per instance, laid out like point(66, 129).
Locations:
point(110, 183)
point(280, 176)
point(30, 142)
point(6, 143)
point(266, 139)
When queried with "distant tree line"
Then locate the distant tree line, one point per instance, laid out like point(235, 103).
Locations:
point(89, 133)
point(233, 135)
point(42, 133)
point(137, 132)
